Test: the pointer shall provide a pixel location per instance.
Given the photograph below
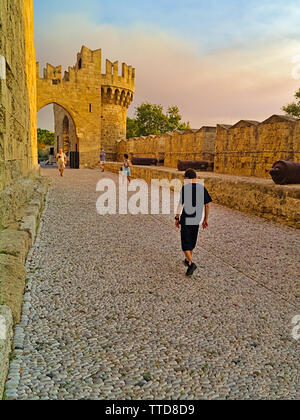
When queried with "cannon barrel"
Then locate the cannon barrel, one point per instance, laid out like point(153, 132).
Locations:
point(285, 172)
point(144, 161)
point(198, 165)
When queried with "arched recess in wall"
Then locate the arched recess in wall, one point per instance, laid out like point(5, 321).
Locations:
point(66, 134)
point(109, 94)
point(59, 120)
point(117, 94)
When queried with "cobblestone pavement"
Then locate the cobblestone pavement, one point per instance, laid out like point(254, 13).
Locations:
point(109, 313)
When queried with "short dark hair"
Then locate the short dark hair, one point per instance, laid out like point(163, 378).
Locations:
point(126, 156)
point(190, 174)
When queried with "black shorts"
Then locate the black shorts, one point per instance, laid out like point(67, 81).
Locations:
point(189, 237)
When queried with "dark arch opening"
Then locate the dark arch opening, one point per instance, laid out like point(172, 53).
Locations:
point(109, 92)
point(66, 135)
point(55, 118)
point(117, 93)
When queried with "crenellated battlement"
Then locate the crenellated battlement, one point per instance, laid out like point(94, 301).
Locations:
point(88, 66)
point(112, 78)
point(118, 89)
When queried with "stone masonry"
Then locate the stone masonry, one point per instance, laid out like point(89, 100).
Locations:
point(248, 148)
point(18, 151)
point(95, 103)
point(173, 146)
point(251, 148)
point(21, 189)
point(256, 196)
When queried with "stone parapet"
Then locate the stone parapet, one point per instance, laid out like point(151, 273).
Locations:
point(6, 336)
point(251, 148)
point(172, 146)
point(16, 239)
point(260, 197)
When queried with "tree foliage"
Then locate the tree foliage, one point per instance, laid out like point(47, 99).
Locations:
point(45, 137)
point(293, 109)
point(151, 119)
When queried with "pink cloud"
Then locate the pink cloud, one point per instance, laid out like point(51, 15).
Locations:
point(225, 86)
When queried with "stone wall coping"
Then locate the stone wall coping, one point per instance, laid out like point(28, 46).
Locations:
point(233, 178)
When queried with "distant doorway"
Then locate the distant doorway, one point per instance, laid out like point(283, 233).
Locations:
point(62, 128)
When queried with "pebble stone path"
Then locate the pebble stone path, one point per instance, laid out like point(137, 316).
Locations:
point(109, 314)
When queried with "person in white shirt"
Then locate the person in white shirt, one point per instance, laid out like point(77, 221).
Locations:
point(61, 161)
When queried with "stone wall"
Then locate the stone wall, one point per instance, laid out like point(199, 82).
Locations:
point(18, 138)
point(21, 190)
point(30, 71)
point(297, 142)
point(251, 148)
point(173, 146)
point(260, 197)
point(248, 148)
point(114, 124)
point(16, 90)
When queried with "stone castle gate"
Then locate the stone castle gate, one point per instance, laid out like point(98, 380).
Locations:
point(90, 108)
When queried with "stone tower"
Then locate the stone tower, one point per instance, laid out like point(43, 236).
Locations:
point(116, 96)
point(90, 108)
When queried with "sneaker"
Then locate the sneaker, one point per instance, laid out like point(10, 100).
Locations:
point(191, 270)
point(186, 262)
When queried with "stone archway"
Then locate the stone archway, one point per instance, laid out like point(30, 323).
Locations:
point(65, 131)
point(66, 137)
point(87, 124)
point(96, 102)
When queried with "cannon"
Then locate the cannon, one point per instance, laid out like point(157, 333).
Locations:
point(197, 165)
point(144, 161)
point(285, 172)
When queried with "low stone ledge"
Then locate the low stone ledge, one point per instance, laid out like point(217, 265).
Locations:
point(20, 216)
point(15, 243)
point(20, 194)
point(29, 224)
point(12, 284)
point(6, 335)
point(257, 196)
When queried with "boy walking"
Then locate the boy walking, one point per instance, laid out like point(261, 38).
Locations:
point(194, 199)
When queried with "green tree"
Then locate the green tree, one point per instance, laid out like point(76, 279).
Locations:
point(45, 137)
point(132, 128)
point(175, 118)
point(150, 119)
point(293, 109)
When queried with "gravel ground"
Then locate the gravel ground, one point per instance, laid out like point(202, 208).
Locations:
point(109, 314)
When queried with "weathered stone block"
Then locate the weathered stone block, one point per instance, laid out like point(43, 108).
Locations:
point(6, 334)
point(15, 243)
point(173, 146)
point(29, 225)
point(12, 284)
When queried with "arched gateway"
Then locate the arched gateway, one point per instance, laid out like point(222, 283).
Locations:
point(94, 103)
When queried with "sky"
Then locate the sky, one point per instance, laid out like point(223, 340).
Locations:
point(220, 61)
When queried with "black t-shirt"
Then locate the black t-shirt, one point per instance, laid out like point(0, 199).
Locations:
point(193, 197)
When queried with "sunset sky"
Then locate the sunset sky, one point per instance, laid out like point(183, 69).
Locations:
point(219, 61)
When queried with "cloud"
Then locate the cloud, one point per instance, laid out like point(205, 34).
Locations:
point(251, 81)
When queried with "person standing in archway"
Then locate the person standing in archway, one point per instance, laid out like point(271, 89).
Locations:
point(102, 160)
point(61, 162)
point(126, 168)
